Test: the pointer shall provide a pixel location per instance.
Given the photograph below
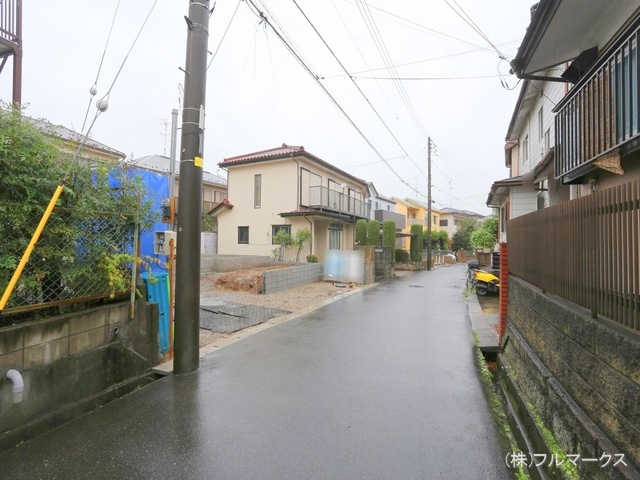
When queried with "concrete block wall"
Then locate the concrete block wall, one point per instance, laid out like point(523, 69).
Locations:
point(285, 278)
point(581, 375)
point(72, 363)
point(42, 342)
point(231, 263)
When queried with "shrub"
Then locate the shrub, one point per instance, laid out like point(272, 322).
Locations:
point(401, 256)
point(416, 242)
point(312, 259)
point(361, 232)
point(373, 232)
point(389, 233)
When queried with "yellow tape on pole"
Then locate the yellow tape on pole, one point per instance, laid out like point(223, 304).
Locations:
point(32, 244)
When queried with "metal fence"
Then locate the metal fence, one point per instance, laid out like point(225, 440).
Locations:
point(78, 257)
point(586, 251)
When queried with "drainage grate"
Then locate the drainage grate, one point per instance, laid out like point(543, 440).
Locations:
point(229, 317)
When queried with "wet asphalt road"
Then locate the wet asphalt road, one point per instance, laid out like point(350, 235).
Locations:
point(379, 385)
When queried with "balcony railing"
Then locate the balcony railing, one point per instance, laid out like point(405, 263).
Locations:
point(601, 115)
point(10, 11)
point(327, 199)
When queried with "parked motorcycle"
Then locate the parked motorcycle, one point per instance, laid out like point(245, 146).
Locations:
point(485, 282)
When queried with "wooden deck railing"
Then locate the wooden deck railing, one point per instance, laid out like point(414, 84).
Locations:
point(586, 251)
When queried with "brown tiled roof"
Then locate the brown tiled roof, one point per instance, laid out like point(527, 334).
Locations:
point(223, 204)
point(285, 151)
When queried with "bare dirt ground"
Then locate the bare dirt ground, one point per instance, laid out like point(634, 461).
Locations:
point(243, 287)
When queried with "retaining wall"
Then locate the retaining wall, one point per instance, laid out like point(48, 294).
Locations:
point(73, 363)
point(579, 375)
point(285, 278)
point(231, 263)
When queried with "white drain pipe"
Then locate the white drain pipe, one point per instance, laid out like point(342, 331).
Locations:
point(18, 384)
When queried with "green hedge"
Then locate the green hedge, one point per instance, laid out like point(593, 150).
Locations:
point(416, 242)
point(361, 232)
point(389, 233)
point(373, 232)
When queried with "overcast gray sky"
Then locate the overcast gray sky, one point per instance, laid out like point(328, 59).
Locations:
point(259, 96)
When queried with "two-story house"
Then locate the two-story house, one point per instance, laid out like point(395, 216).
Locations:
point(529, 155)
point(424, 212)
point(596, 53)
point(287, 188)
point(452, 218)
point(382, 209)
point(571, 339)
point(412, 216)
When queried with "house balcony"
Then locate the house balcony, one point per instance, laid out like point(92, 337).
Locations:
point(326, 199)
point(597, 122)
point(384, 215)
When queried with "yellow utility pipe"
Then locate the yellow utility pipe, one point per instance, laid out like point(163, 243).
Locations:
point(27, 253)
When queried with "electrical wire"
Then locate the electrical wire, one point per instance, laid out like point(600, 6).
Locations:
point(224, 34)
point(260, 14)
point(478, 77)
point(371, 25)
point(94, 88)
point(441, 57)
point(104, 100)
point(384, 93)
point(351, 78)
point(130, 49)
point(430, 30)
point(475, 27)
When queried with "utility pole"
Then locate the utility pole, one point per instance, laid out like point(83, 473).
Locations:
point(172, 152)
point(429, 213)
point(187, 317)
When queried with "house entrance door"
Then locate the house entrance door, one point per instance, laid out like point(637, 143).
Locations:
point(335, 233)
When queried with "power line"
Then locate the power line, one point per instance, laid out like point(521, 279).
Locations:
point(316, 78)
point(371, 25)
point(475, 27)
point(94, 89)
point(430, 30)
point(477, 77)
point(352, 80)
point(441, 57)
point(224, 34)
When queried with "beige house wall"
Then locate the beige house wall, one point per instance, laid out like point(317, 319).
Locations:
point(280, 194)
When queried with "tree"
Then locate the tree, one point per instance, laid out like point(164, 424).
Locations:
point(439, 240)
point(487, 235)
point(373, 232)
point(301, 237)
point(80, 235)
point(462, 237)
point(283, 240)
point(361, 232)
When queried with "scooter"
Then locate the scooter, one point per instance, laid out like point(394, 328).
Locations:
point(485, 282)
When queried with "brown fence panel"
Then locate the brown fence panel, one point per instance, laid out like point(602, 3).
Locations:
point(586, 251)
